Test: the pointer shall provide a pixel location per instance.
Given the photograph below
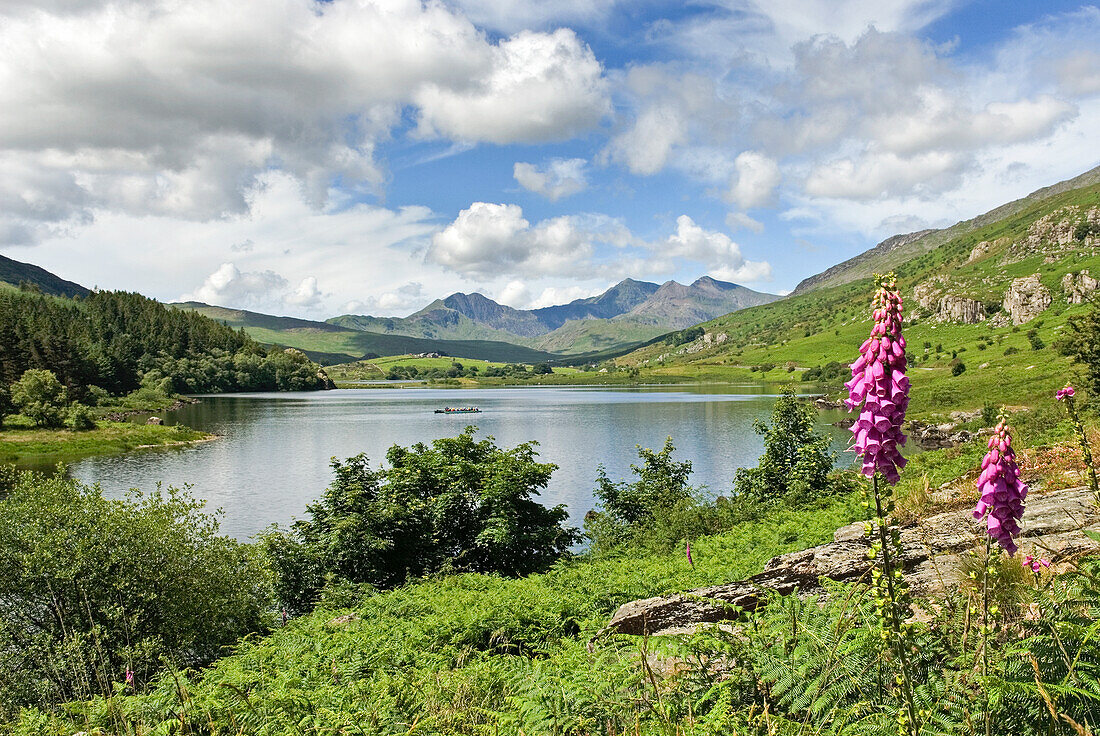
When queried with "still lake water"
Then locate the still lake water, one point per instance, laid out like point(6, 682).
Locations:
point(273, 456)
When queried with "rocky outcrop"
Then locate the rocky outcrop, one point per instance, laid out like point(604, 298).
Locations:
point(1078, 286)
point(1052, 527)
point(960, 309)
point(1026, 299)
point(933, 298)
point(327, 384)
point(936, 436)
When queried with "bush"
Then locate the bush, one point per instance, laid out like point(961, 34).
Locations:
point(796, 461)
point(1011, 350)
point(958, 368)
point(989, 414)
point(458, 505)
point(92, 587)
point(79, 417)
point(40, 397)
point(541, 369)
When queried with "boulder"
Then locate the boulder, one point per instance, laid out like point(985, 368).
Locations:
point(1026, 299)
point(1052, 527)
point(154, 420)
point(1078, 286)
point(960, 309)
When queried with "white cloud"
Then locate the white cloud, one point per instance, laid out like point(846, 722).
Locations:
point(739, 220)
point(755, 181)
point(670, 110)
point(541, 87)
point(721, 256)
point(306, 294)
point(229, 286)
point(178, 109)
point(560, 177)
point(879, 175)
point(513, 15)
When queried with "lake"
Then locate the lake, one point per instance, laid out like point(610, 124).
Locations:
point(273, 456)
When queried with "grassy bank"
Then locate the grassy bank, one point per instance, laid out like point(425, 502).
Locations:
point(40, 447)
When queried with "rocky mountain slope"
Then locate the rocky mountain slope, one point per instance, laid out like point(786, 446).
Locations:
point(901, 248)
point(629, 312)
point(985, 311)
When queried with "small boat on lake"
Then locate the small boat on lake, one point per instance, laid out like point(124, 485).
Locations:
point(458, 410)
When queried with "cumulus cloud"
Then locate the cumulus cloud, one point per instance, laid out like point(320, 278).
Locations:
point(178, 109)
point(755, 181)
point(559, 178)
point(306, 294)
point(670, 109)
point(539, 87)
point(721, 256)
point(228, 285)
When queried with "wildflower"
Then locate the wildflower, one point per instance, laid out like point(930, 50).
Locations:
point(879, 383)
point(1003, 493)
point(687, 550)
point(1036, 563)
point(1064, 393)
point(130, 678)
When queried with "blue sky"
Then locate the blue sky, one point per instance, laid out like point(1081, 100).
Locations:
point(369, 156)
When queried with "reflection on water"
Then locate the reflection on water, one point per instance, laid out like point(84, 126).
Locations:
point(274, 455)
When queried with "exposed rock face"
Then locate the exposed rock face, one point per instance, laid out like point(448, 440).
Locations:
point(154, 420)
point(1026, 299)
point(327, 383)
point(960, 309)
point(931, 551)
point(1078, 286)
point(946, 307)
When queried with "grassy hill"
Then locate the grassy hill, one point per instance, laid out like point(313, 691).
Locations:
point(901, 248)
point(339, 344)
point(1005, 363)
point(16, 272)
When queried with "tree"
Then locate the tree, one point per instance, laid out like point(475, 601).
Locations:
point(40, 397)
point(796, 462)
point(6, 404)
point(541, 369)
point(91, 587)
point(457, 505)
point(662, 483)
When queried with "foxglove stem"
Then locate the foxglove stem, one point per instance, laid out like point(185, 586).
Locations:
point(985, 630)
point(893, 619)
point(1067, 395)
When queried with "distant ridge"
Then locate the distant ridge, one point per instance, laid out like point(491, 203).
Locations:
point(629, 312)
point(900, 248)
point(16, 272)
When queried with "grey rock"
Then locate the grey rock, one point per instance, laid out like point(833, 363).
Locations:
point(1078, 286)
point(1026, 299)
point(931, 550)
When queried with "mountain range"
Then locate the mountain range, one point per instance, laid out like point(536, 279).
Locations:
point(629, 312)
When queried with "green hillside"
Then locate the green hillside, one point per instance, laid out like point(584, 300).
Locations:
point(901, 248)
point(16, 272)
point(1007, 360)
point(343, 345)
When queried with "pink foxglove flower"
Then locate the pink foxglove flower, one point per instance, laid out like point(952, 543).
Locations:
point(1064, 393)
point(1003, 493)
point(1036, 563)
point(880, 385)
point(130, 677)
point(687, 551)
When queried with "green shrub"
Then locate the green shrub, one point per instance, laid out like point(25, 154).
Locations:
point(958, 368)
point(79, 417)
point(796, 461)
point(40, 397)
point(458, 505)
point(92, 587)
